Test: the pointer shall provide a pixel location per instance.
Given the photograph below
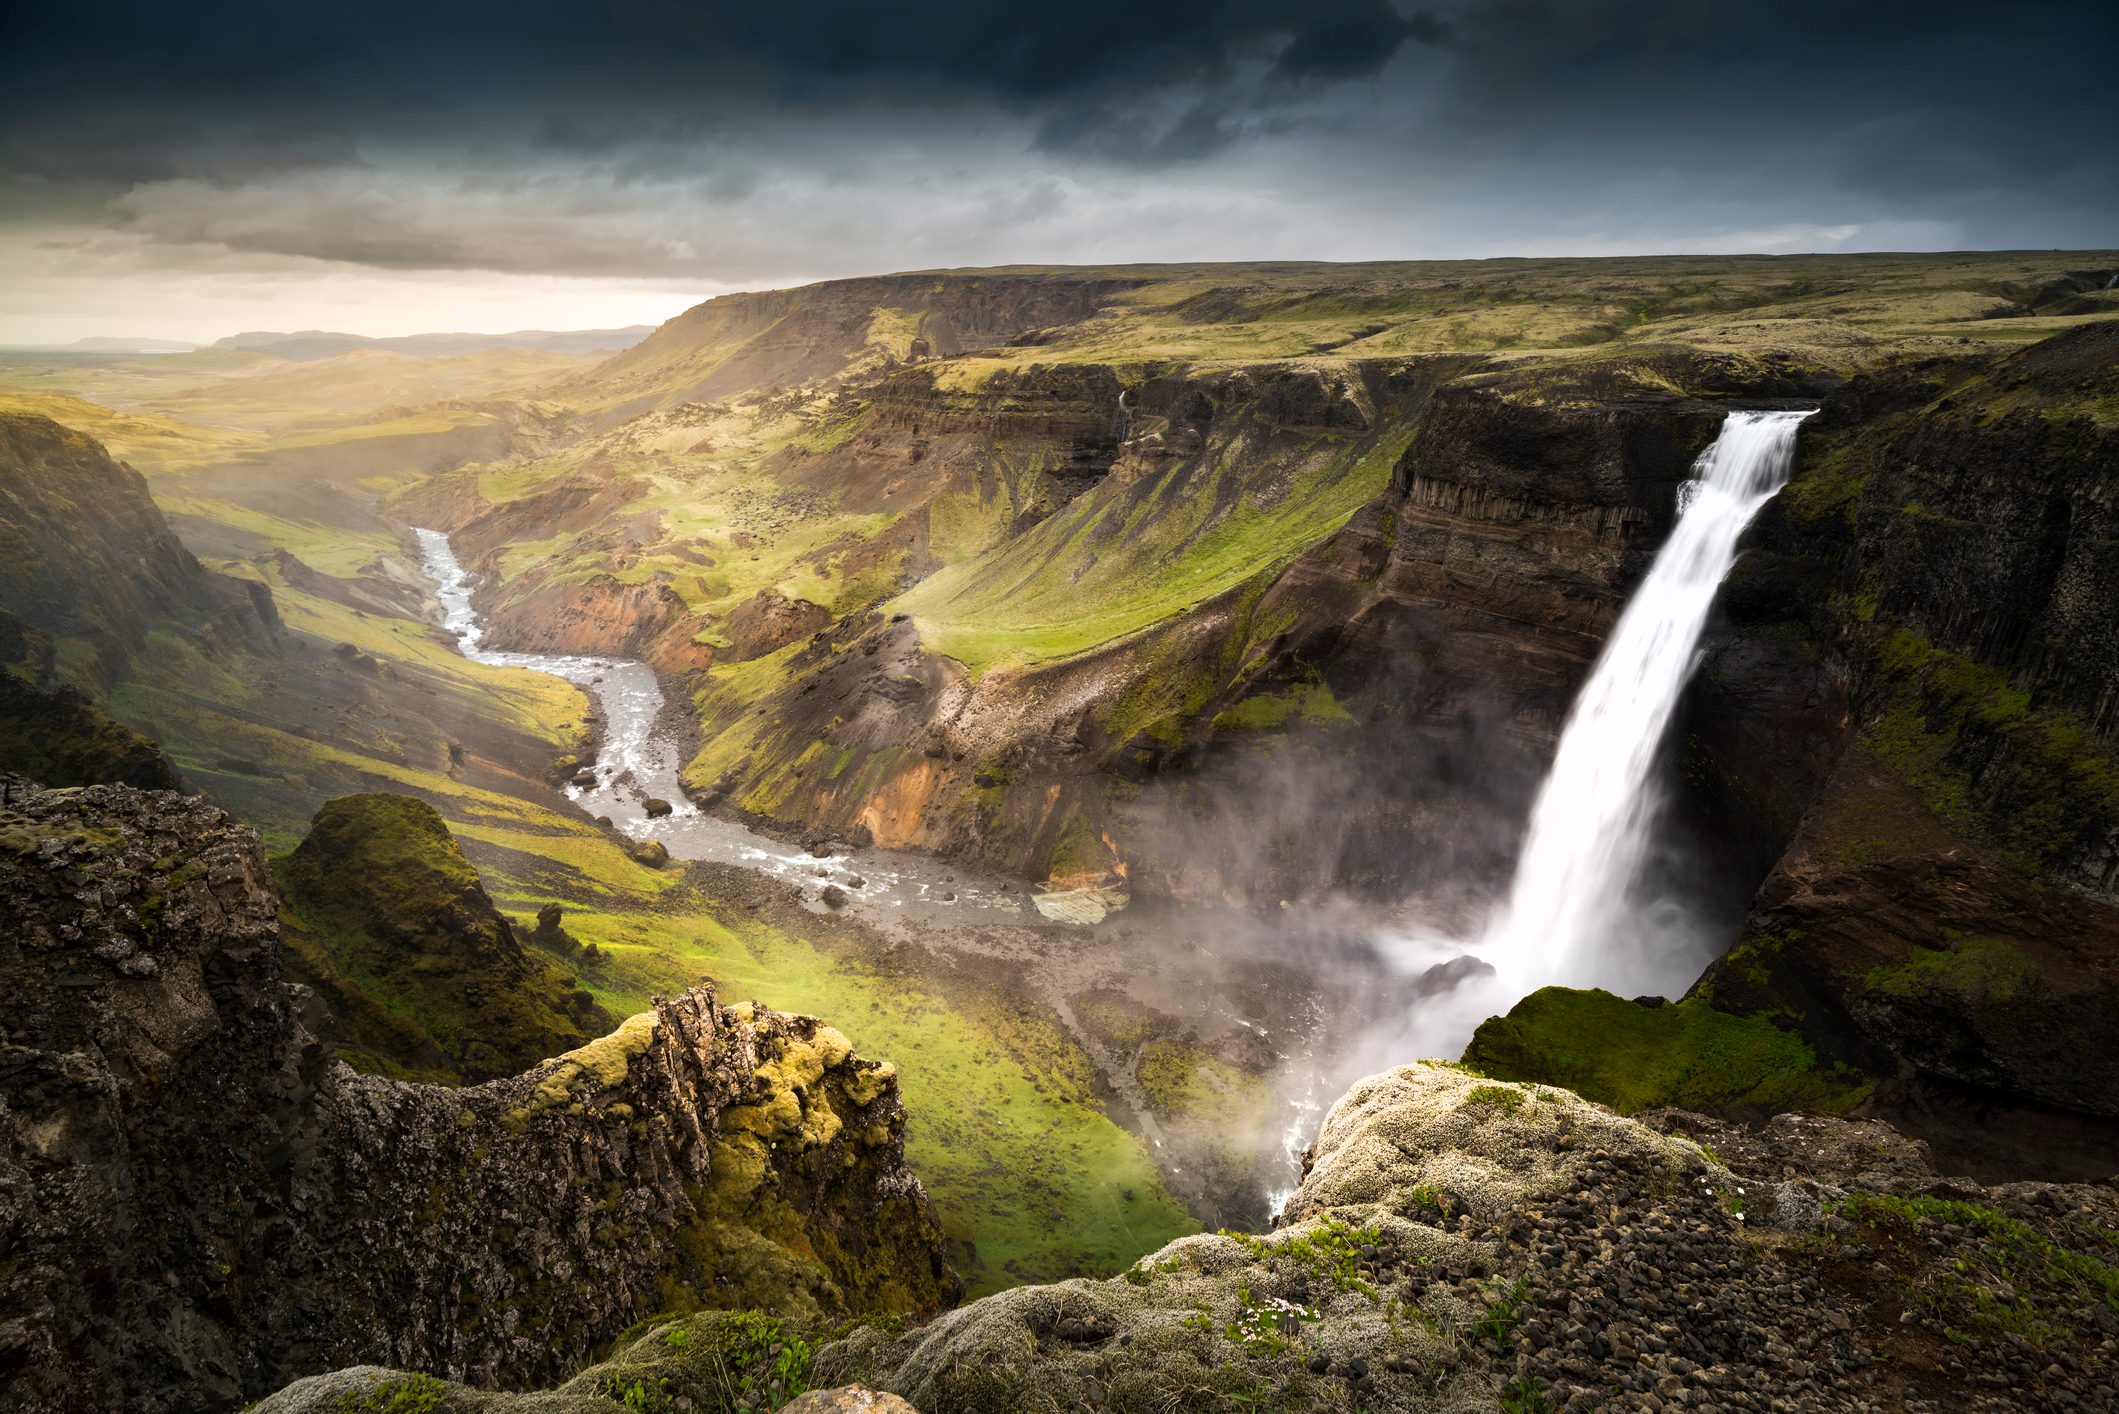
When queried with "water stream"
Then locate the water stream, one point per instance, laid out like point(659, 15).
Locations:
point(1573, 914)
point(1571, 918)
point(641, 758)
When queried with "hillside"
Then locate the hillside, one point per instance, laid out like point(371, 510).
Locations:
point(1258, 594)
point(424, 977)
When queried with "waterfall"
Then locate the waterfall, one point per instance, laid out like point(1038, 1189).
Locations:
point(1567, 918)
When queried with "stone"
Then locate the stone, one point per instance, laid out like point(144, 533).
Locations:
point(489, 1230)
point(847, 1399)
point(656, 807)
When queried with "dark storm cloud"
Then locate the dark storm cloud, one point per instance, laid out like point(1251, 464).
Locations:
point(654, 137)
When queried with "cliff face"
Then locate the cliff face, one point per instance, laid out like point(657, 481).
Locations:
point(256, 1211)
point(1905, 719)
point(1457, 1244)
point(1369, 591)
point(85, 556)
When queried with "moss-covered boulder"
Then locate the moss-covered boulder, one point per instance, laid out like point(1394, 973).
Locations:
point(202, 1206)
point(424, 978)
point(1637, 1056)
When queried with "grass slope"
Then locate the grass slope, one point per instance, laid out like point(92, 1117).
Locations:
point(390, 918)
point(1633, 1057)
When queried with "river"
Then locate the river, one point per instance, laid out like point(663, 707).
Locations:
point(641, 757)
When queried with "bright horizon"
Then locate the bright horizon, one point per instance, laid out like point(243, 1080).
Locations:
point(187, 175)
point(504, 307)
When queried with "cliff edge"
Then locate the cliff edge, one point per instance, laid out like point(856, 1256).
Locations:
point(201, 1204)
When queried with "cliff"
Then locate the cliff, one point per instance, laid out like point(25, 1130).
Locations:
point(1458, 1244)
point(1904, 721)
point(257, 1211)
point(87, 560)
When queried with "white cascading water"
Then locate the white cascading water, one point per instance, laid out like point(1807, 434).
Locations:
point(1572, 916)
point(1567, 918)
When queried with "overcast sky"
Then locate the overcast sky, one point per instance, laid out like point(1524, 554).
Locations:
point(191, 171)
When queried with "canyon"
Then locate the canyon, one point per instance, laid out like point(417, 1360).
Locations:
point(1106, 694)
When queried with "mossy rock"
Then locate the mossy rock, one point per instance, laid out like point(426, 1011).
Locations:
point(57, 737)
point(1636, 1057)
point(387, 918)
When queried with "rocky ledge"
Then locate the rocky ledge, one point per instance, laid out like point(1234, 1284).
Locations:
point(200, 1204)
point(1461, 1244)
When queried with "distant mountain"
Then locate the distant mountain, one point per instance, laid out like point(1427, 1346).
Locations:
point(317, 343)
point(109, 344)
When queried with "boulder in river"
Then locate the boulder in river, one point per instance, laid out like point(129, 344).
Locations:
point(655, 807)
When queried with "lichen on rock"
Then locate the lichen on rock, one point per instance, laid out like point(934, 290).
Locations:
point(261, 1211)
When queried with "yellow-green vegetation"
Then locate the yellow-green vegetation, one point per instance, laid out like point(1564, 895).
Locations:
point(2008, 1280)
point(2030, 780)
point(1329, 1249)
point(602, 1064)
point(406, 1394)
point(1186, 1081)
point(1986, 969)
point(61, 738)
point(1506, 1098)
point(1633, 1057)
point(387, 915)
point(708, 1362)
point(1310, 702)
point(1121, 559)
point(1032, 1181)
point(254, 396)
point(1843, 309)
point(148, 440)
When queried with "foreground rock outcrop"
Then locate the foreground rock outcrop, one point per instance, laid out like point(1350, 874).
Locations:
point(200, 1204)
point(1459, 1244)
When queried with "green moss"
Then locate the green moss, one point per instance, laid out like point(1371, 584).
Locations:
point(2030, 781)
point(1987, 968)
point(60, 738)
point(407, 1394)
point(1124, 558)
point(1505, 1098)
point(382, 906)
point(1634, 1057)
point(601, 1064)
point(1310, 702)
point(1329, 1249)
point(1031, 1179)
point(2010, 1280)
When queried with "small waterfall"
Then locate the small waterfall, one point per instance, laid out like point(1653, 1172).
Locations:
point(1567, 918)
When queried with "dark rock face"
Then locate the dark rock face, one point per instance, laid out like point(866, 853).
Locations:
point(85, 554)
point(1903, 724)
point(200, 1204)
point(1938, 585)
point(1452, 620)
point(1992, 523)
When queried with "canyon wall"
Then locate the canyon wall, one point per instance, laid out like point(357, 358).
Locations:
point(201, 1203)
